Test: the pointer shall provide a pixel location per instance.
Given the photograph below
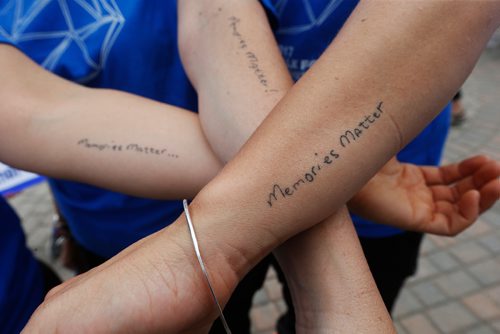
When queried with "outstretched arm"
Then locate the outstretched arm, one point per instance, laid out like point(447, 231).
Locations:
point(98, 136)
point(231, 57)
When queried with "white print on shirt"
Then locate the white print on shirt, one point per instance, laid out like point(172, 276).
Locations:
point(104, 19)
point(314, 18)
point(296, 66)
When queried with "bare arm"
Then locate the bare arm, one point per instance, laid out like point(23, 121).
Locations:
point(233, 61)
point(102, 137)
point(348, 115)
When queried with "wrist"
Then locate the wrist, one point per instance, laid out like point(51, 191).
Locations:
point(176, 240)
point(224, 211)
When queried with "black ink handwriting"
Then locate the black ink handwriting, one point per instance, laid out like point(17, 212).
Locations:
point(253, 60)
point(131, 147)
point(346, 138)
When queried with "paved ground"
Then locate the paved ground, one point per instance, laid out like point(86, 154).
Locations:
point(457, 288)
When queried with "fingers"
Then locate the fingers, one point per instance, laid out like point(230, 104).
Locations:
point(452, 218)
point(487, 174)
point(454, 172)
point(470, 165)
point(445, 193)
point(458, 206)
point(490, 193)
point(468, 206)
point(486, 181)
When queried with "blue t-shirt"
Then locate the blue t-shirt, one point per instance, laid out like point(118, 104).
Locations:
point(21, 281)
point(304, 30)
point(125, 45)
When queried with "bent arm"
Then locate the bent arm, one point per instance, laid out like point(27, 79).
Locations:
point(231, 57)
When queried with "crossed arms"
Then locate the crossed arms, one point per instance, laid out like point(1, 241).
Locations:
point(90, 135)
point(372, 78)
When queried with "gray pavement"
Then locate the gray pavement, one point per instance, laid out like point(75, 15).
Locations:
point(457, 287)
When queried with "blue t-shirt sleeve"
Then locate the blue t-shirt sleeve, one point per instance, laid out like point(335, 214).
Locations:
point(8, 23)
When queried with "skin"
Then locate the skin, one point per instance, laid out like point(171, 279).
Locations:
point(42, 128)
point(282, 147)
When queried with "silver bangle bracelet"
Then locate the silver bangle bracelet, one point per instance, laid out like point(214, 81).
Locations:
point(202, 264)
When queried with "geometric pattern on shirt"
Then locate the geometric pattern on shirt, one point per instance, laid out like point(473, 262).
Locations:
point(76, 23)
point(314, 19)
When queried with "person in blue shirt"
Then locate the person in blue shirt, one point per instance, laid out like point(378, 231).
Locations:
point(24, 280)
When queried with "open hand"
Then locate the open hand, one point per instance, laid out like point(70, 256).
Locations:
point(440, 200)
